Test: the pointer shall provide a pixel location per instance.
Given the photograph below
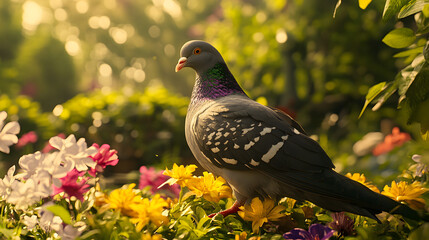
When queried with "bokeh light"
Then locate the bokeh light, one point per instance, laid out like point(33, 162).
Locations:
point(32, 15)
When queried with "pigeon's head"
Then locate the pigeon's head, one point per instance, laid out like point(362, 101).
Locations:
point(198, 55)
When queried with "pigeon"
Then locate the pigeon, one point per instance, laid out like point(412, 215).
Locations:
point(261, 151)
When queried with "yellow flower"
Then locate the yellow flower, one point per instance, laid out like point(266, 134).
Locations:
point(179, 174)
point(362, 179)
point(409, 193)
point(147, 236)
point(364, 3)
point(149, 210)
point(241, 236)
point(122, 199)
point(261, 212)
point(211, 188)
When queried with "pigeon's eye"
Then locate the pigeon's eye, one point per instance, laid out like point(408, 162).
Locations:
point(197, 51)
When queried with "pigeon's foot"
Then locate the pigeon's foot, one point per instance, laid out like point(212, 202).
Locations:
point(233, 209)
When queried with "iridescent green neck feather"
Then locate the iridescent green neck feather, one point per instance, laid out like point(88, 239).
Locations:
point(214, 83)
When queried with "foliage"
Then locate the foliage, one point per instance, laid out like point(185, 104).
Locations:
point(31, 118)
point(303, 60)
point(9, 45)
point(129, 213)
point(411, 83)
point(147, 127)
point(46, 71)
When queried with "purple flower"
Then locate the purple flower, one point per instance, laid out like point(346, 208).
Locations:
point(342, 223)
point(315, 232)
point(153, 178)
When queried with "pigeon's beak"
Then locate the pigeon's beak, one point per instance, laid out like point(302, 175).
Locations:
point(181, 63)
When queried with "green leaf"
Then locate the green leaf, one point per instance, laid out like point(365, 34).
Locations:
point(201, 223)
point(412, 8)
point(400, 38)
point(426, 10)
point(324, 218)
point(90, 234)
point(392, 7)
point(8, 233)
point(200, 212)
point(388, 90)
point(409, 52)
point(407, 76)
point(426, 50)
point(425, 135)
point(372, 93)
point(417, 97)
point(420, 233)
point(61, 212)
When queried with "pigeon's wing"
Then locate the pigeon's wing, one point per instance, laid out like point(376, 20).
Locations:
point(284, 116)
point(239, 133)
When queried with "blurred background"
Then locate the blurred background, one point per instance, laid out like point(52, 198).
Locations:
point(104, 70)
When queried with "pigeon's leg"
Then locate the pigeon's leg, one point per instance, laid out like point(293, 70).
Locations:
point(233, 209)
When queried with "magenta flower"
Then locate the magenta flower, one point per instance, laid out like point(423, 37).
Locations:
point(104, 157)
point(315, 232)
point(30, 137)
point(71, 185)
point(151, 177)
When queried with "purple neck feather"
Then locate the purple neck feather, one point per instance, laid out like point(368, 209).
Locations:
point(214, 83)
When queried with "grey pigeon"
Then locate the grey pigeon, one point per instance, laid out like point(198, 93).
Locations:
point(261, 151)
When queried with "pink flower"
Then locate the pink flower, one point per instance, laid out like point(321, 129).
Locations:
point(153, 178)
point(72, 186)
point(391, 141)
point(48, 146)
point(30, 137)
point(104, 157)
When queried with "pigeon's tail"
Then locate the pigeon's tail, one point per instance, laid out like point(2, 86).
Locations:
point(336, 192)
point(410, 213)
point(368, 201)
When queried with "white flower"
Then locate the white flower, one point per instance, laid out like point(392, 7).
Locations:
point(69, 233)
point(22, 194)
point(54, 163)
point(30, 222)
point(57, 165)
point(31, 163)
point(7, 133)
point(48, 221)
point(78, 152)
point(6, 182)
point(367, 143)
point(420, 167)
point(29, 192)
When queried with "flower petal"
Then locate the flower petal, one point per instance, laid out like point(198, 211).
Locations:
point(12, 128)
point(319, 230)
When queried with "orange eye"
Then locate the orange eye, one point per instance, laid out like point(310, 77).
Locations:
point(197, 51)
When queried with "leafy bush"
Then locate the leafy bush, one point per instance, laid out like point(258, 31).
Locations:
point(412, 82)
point(31, 118)
point(146, 127)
